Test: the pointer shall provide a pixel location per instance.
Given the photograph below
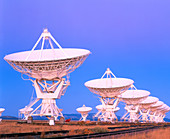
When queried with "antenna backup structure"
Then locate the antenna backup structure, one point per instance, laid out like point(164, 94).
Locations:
point(47, 68)
point(108, 89)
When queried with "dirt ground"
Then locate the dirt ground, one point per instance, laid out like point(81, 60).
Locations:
point(11, 126)
point(161, 133)
point(7, 127)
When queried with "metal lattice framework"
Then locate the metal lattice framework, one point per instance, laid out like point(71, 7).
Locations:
point(48, 69)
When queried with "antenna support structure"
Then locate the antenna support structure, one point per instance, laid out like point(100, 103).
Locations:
point(109, 105)
point(47, 90)
point(48, 69)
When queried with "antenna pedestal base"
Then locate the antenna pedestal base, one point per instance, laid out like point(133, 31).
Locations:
point(131, 114)
point(48, 91)
point(144, 115)
point(107, 112)
point(83, 117)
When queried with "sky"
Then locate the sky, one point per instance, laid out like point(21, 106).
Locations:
point(131, 37)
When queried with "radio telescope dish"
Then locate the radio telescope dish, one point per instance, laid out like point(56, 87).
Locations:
point(148, 101)
point(52, 64)
point(160, 113)
point(99, 107)
point(145, 106)
point(25, 111)
point(134, 96)
point(154, 109)
point(84, 112)
point(47, 67)
point(163, 107)
point(108, 87)
point(156, 105)
point(84, 109)
point(47, 63)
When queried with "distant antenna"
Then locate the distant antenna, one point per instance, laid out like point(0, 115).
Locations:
point(154, 111)
point(84, 112)
point(108, 89)
point(145, 107)
point(132, 98)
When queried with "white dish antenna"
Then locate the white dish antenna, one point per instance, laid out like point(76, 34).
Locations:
point(163, 107)
point(148, 102)
point(109, 87)
point(156, 106)
point(24, 112)
point(47, 63)
point(84, 112)
point(100, 107)
point(134, 96)
point(84, 109)
point(47, 67)
point(26, 109)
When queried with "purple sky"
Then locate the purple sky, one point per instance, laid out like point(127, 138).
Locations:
point(131, 37)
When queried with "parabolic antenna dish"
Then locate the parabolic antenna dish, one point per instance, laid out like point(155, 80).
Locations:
point(26, 110)
point(84, 109)
point(148, 101)
point(164, 108)
point(52, 64)
point(47, 63)
point(109, 87)
point(157, 104)
point(2, 110)
point(100, 107)
point(134, 96)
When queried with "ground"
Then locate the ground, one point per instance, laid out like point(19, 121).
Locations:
point(79, 128)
